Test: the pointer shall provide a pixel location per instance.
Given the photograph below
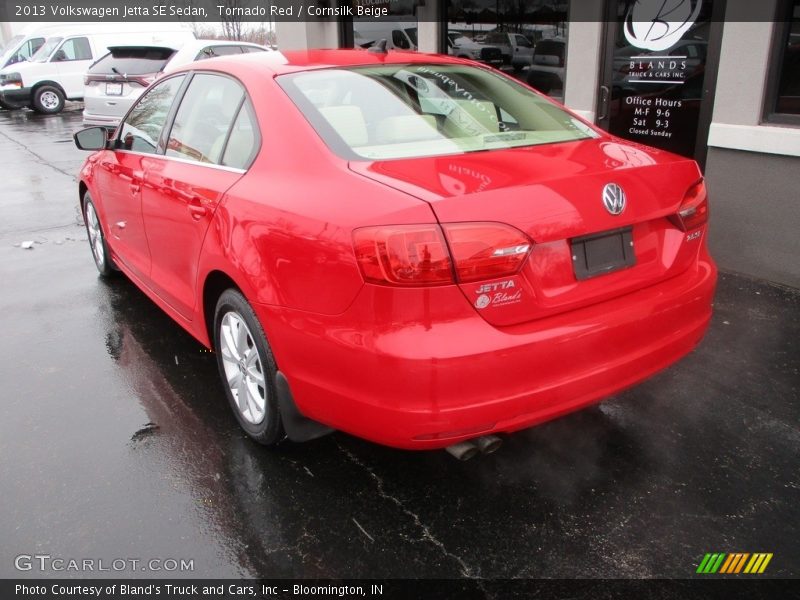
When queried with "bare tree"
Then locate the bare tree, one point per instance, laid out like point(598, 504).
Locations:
point(232, 24)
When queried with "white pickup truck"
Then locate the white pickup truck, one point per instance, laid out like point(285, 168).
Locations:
point(517, 49)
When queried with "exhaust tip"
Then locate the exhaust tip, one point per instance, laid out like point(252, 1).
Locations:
point(489, 444)
point(463, 450)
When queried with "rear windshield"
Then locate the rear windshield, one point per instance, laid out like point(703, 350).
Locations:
point(405, 111)
point(132, 61)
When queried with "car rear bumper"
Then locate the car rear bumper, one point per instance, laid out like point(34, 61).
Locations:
point(425, 370)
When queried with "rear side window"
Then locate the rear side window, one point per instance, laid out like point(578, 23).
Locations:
point(142, 128)
point(212, 51)
point(243, 140)
point(132, 61)
point(247, 49)
point(204, 118)
point(73, 49)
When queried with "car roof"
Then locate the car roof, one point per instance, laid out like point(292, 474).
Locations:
point(280, 63)
point(212, 42)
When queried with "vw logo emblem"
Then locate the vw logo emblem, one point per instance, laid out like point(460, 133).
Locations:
point(614, 198)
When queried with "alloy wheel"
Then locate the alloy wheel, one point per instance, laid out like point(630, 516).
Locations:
point(95, 236)
point(244, 371)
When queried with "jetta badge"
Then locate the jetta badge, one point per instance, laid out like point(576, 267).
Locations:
point(614, 198)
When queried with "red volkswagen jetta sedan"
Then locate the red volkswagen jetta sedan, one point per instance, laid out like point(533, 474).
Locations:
point(414, 249)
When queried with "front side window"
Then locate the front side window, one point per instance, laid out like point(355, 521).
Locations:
point(402, 111)
point(204, 118)
point(212, 51)
point(142, 128)
point(26, 51)
point(43, 53)
point(73, 49)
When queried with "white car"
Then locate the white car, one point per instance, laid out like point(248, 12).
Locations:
point(55, 73)
point(115, 81)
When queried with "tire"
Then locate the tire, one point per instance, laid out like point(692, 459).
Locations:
point(97, 239)
point(48, 100)
point(247, 368)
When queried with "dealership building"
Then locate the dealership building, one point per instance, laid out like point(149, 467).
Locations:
point(720, 82)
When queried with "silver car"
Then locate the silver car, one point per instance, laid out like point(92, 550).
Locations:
point(115, 82)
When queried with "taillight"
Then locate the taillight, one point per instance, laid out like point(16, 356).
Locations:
point(417, 255)
point(486, 250)
point(694, 209)
point(405, 255)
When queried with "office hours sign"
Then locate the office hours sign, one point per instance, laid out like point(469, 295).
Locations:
point(658, 71)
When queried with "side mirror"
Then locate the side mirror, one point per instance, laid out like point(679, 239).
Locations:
point(92, 138)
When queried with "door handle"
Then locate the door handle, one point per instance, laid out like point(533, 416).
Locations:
point(196, 209)
point(605, 94)
point(135, 187)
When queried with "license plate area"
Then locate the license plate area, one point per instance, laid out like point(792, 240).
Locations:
point(113, 89)
point(601, 253)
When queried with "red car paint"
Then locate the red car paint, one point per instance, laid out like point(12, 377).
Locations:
point(411, 366)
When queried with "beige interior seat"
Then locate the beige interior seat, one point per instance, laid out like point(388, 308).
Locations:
point(348, 122)
point(407, 128)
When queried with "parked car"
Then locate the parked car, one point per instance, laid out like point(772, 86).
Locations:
point(463, 47)
point(548, 67)
point(114, 82)
point(409, 248)
point(517, 50)
point(55, 73)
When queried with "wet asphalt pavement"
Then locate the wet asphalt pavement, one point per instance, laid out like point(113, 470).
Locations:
point(116, 441)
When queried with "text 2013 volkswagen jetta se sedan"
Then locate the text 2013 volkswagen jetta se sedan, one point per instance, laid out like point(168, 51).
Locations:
point(414, 249)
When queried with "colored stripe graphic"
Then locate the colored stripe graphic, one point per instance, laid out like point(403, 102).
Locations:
point(740, 564)
point(734, 563)
point(703, 563)
point(727, 564)
point(765, 563)
point(711, 563)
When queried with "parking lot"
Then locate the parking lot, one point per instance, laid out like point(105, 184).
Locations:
point(116, 441)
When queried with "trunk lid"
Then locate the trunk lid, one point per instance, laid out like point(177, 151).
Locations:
point(554, 193)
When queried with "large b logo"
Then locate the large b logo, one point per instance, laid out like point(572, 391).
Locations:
point(656, 25)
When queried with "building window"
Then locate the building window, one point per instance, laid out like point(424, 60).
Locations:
point(398, 28)
point(783, 98)
point(526, 39)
